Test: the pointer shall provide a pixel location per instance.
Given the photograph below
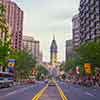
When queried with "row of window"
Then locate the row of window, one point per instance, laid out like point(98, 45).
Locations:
point(90, 8)
point(89, 19)
point(91, 35)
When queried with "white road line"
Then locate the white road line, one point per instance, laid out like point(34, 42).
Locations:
point(89, 94)
point(11, 93)
point(18, 91)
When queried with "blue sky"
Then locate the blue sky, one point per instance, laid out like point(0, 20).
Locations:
point(45, 18)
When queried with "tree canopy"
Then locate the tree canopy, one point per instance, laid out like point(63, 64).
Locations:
point(41, 71)
point(90, 53)
point(5, 37)
point(24, 60)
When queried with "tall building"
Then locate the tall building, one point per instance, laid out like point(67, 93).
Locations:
point(53, 52)
point(37, 50)
point(40, 57)
point(69, 49)
point(28, 44)
point(89, 13)
point(32, 46)
point(76, 31)
point(14, 18)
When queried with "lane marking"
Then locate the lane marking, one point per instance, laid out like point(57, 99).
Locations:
point(17, 91)
point(40, 93)
point(11, 93)
point(61, 92)
point(89, 94)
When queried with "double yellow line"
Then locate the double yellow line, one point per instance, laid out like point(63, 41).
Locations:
point(39, 94)
point(61, 92)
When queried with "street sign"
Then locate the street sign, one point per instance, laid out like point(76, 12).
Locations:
point(11, 65)
point(87, 68)
point(11, 62)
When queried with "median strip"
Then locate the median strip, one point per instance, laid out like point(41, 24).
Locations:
point(40, 93)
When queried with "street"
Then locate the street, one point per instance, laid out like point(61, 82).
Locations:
point(42, 91)
point(25, 92)
point(51, 94)
point(49, 49)
point(76, 92)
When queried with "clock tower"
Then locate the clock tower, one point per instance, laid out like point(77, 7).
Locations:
point(53, 52)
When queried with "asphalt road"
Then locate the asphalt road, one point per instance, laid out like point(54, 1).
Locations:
point(72, 92)
point(76, 92)
point(25, 92)
point(51, 93)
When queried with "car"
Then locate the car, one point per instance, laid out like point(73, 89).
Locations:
point(46, 81)
point(51, 83)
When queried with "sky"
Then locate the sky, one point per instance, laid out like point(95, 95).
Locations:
point(45, 18)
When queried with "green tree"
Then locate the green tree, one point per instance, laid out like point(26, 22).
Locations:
point(24, 62)
point(4, 52)
point(4, 30)
point(5, 37)
point(69, 65)
point(90, 53)
point(42, 71)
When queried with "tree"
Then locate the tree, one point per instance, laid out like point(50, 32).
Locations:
point(69, 65)
point(24, 62)
point(5, 38)
point(90, 53)
point(42, 71)
point(4, 52)
point(4, 30)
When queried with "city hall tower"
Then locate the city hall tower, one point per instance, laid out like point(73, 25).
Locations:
point(53, 52)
